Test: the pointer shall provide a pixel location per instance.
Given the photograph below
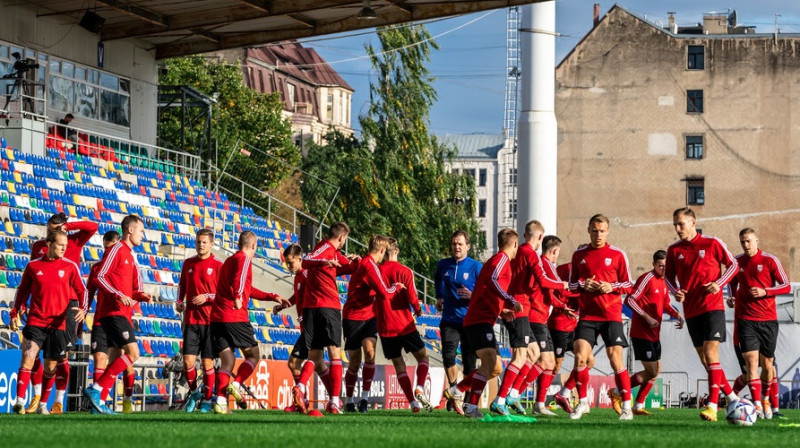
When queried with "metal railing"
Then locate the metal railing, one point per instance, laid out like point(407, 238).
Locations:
point(180, 162)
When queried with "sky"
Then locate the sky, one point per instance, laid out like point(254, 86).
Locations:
point(470, 64)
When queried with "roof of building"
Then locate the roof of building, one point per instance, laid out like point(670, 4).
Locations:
point(474, 146)
point(299, 62)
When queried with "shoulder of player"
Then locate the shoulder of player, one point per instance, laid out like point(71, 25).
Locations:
point(69, 262)
point(618, 251)
point(645, 278)
point(770, 257)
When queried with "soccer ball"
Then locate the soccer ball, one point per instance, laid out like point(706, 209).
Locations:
point(741, 413)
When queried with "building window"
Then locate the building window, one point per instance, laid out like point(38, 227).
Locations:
point(695, 192)
point(329, 107)
point(456, 171)
point(470, 173)
point(694, 147)
point(290, 94)
point(694, 101)
point(482, 178)
point(482, 237)
point(482, 208)
point(512, 208)
point(696, 57)
point(512, 176)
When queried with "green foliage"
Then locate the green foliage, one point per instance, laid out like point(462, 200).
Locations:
point(394, 181)
point(240, 115)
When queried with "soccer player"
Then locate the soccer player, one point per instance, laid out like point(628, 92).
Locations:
point(322, 311)
point(78, 234)
point(230, 323)
point(490, 297)
point(760, 278)
point(358, 320)
point(649, 300)
point(301, 367)
point(561, 324)
point(196, 292)
point(529, 338)
point(694, 261)
point(119, 285)
point(399, 332)
point(455, 280)
point(600, 273)
point(99, 341)
point(50, 282)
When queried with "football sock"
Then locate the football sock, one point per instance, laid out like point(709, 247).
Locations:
point(545, 380)
point(191, 378)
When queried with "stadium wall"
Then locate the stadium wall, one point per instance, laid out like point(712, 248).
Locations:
point(30, 28)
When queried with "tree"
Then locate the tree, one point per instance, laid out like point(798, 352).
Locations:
point(395, 181)
point(241, 115)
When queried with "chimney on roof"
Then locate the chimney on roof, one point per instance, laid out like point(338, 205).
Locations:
point(673, 27)
point(596, 14)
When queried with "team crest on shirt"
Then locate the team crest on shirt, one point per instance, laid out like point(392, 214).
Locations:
point(608, 262)
point(680, 257)
point(61, 273)
point(466, 275)
point(125, 335)
point(702, 253)
point(489, 336)
point(209, 271)
point(657, 291)
point(760, 267)
point(741, 269)
point(191, 270)
point(447, 274)
point(583, 261)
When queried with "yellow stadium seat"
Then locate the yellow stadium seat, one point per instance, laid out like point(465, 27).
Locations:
point(145, 211)
point(10, 154)
point(278, 225)
point(76, 199)
point(89, 320)
point(17, 177)
point(153, 183)
point(265, 333)
point(123, 208)
point(269, 319)
point(103, 172)
point(170, 240)
point(72, 212)
point(191, 189)
point(10, 188)
point(95, 254)
point(196, 211)
point(344, 356)
point(10, 228)
point(78, 178)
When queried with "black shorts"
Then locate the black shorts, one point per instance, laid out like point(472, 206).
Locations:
point(322, 327)
point(645, 350)
point(300, 349)
point(99, 339)
point(612, 332)
point(758, 335)
point(51, 341)
point(519, 332)
point(452, 335)
point(541, 334)
point(393, 346)
point(232, 335)
point(708, 326)
point(197, 340)
point(72, 326)
point(562, 341)
point(355, 331)
point(119, 331)
point(481, 336)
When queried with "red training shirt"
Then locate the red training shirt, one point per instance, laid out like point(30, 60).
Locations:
point(764, 271)
point(236, 282)
point(695, 263)
point(78, 234)
point(650, 296)
point(558, 320)
point(50, 284)
point(199, 277)
point(365, 285)
point(298, 289)
point(321, 291)
point(118, 276)
point(490, 295)
point(527, 281)
point(394, 315)
point(607, 264)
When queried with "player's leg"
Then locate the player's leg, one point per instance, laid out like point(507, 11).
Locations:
point(450, 340)
point(37, 378)
point(519, 338)
point(209, 380)
point(741, 381)
point(191, 348)
point(401, 370)
point(351, 378)
point(30, 352)
point(120, 335)
point(227, 360)
point(61, 383)
point(532, 357)
point(774, 391)
point(241, 334)
point(768, 339)
point(621, 378)
point(367, 372)
point(299, 362)
point(331, 337)
point(645, 379)
point(48, 380)
point(413, 343)
point(491, 366)
point(766, 376)
point(547, 362)
point(585, 338)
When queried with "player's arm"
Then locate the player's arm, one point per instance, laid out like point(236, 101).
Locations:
point(411, 293)
point(346, 266)
point(632, 300)
point(508, 301)
point(623, 284)
point(22, 295)
point(182, 288)
point(729, 261)
point(670, 275)
point(85, 231)
point(109, 263)
point(780, 280)
point(317, 258)
point(138, 286)
point(545, 279)
point(375, 280)
point(80, 291)
point(576, 284)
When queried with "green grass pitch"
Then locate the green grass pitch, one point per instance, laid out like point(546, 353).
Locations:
point(383, 429)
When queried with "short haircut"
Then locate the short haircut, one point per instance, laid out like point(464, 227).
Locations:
point(534, 226)
point(597, 219)
point(247, 238)
point(53, 234)
point(659, 255)
point(684, 211)
point(69, 116)
point(206, 232)
point(338, 229)
point(58, 219)
point(393, 246)
point(506, 238)
point(111, 235)
point(293, 250)
point(378, 242)
point(550, 242)
point(746, 231)
point(458, 233)
point(128, 221)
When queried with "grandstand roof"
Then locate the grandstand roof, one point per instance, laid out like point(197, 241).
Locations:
point(182, 27)
point(474, 146)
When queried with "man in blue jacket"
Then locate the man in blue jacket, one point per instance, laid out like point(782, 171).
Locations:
point(455, 279)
